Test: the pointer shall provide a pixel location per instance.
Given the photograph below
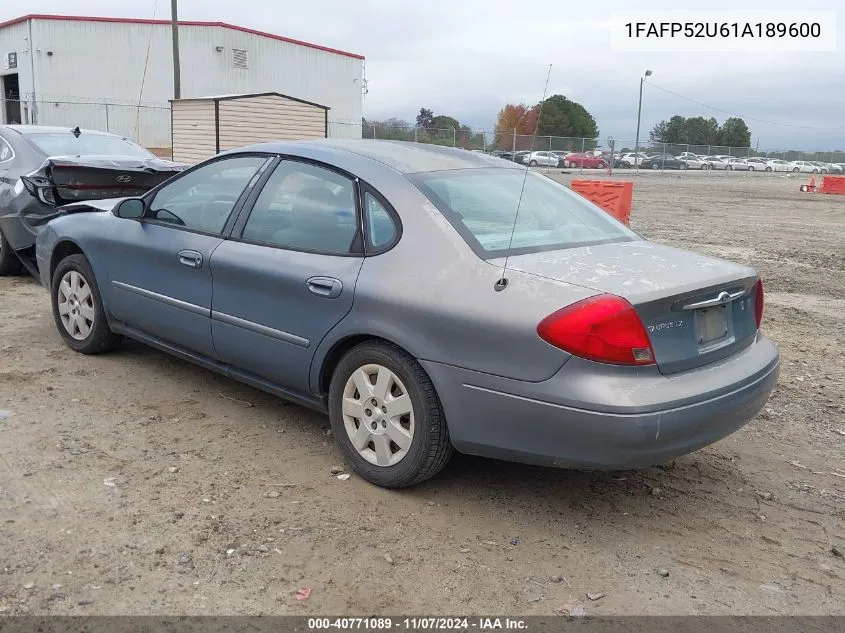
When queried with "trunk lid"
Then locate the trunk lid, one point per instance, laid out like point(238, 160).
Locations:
point(65, 179)
point(696, 309)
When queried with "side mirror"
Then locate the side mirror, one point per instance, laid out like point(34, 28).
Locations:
point(130, 209)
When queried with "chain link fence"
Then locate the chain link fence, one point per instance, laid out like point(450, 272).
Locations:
point(149, 125)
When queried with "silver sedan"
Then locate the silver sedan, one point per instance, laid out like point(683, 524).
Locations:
point(427, 299)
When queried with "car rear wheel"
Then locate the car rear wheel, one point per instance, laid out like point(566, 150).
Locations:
point(751, 168)
point(655, 166)
point(729, 167)
point(682, 166)
point(78, 308)
point(387, 417)
point(796, 170)
point(532, 163)
point(768, 169)
point(9, 262)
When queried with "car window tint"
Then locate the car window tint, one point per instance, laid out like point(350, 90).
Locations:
point(380, 225)
point(6, 152)
point(203, 199)
point(305, 207)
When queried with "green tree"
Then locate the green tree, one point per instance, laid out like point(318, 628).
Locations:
point(734, 133)
point(425, 119)
point(676, 130)
point(562, 117)
point(443, 122)
point(658, 133)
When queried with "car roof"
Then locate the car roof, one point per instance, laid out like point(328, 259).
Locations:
point(403, 156)
point(52, 129)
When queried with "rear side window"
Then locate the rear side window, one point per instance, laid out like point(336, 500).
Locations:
point(305, 207)
point(380, 226)
point(6, 153)
point(481, 204)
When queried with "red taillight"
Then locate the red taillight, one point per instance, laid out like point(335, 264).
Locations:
point(605, 328)
point(758, 303)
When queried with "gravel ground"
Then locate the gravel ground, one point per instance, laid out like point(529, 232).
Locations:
point(135, 483)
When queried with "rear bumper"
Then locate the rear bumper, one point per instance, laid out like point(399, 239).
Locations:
point(597, 416)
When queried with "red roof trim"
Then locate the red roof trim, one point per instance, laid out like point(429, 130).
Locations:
point(225, 25)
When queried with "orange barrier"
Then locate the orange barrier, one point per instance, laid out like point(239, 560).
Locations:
point(833, 184)
point(613, 196)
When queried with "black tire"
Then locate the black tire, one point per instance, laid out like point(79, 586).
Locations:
point(815, 171)
point(796, 170)
point(9, 262)
point(532, 163)
point(682, 166)
point(729, 167)
point(430, 449)
point(751, 168)
point(100, 339)
point(768, 168)
point(655, 166)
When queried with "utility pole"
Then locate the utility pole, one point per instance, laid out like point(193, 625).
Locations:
point(177, 79)
point(639, 113)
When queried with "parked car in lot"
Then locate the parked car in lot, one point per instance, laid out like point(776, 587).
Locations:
point(546, 159)
point(839, 168)
point(585, 161)
point(777, 164)
point(630, 159)
point(756, 163)
point(806, 167)
point(43, 167)
point(716, 162)
point(285, 266)
point(694, 162)
point(663, 161)
point(736, 164)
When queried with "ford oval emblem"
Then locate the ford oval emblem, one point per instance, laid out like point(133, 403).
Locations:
point(124, 178)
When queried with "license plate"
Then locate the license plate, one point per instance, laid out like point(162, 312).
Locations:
point(711, 324)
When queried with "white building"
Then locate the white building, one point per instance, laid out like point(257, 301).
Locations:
point(94, 71)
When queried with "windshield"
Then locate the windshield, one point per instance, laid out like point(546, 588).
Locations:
point(481, 204)
point(66, 144)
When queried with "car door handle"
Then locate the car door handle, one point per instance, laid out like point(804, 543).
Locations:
point(327, 287)
point(192, 259)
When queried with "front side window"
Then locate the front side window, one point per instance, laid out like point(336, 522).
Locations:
point(481, 204)
point(305, 207)
point(203, 199)
point(87, 144)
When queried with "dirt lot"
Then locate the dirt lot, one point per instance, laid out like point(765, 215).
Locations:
point(136, 483)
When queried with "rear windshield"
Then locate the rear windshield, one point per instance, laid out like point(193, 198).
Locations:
point(66, 144)
point(481, 204)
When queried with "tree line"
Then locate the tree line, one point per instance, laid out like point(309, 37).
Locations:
point(697, 130)
point(438, 129)
point(557, 116)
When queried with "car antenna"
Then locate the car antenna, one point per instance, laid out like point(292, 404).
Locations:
point(502, 282)
point(76, 131)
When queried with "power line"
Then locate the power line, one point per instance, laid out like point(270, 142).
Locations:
point(748, 118)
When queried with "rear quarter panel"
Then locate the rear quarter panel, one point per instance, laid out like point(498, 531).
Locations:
point(435, 298)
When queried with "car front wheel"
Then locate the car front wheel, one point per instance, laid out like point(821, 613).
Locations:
point(78, 308)
point(387, 417)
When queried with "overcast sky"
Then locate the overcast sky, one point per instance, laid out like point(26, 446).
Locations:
point(467, 58)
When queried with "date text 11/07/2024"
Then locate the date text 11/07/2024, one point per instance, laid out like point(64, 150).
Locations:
point(418, 624)
point(724, 29)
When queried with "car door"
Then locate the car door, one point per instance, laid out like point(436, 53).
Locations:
point(288, 274)
point(159, 266)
